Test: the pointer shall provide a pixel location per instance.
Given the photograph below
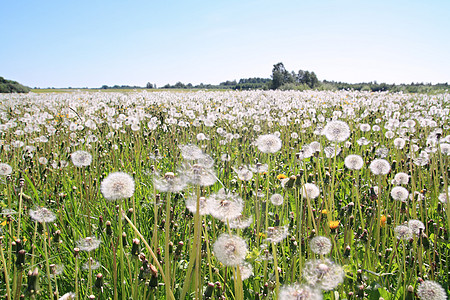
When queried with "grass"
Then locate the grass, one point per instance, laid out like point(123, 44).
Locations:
point(150, 250)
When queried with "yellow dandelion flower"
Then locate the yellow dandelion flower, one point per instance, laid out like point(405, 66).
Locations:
point(333, 224)
point(281, 176)
point(383, 220)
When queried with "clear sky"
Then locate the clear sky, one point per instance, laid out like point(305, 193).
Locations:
point(89, 43)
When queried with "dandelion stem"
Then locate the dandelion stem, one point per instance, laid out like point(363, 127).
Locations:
point(47, 264)
point(167, 282)
point(149, 249)
point(5, 271)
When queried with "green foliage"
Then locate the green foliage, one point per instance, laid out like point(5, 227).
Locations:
point(285, 80)
point(9, 86)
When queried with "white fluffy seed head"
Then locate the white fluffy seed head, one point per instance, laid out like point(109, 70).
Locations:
point(380, 166)
point(336, 131)
point(399, 193)
point(268, 143)
point(5, 169)
point(320, 245)
point(403, 232)
point(299, 292)
point(310, 190)
point(81, 158)
point(431, 290)
point(225, 205)
point(401, 178)
point(42, 215)
point(230, 250)
point(88, 244)
point(416, 226)
point(323, 274)
point(354, 162)
point(276, 199)
point(117, 186)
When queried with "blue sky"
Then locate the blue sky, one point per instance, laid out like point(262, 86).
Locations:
point(91, 43)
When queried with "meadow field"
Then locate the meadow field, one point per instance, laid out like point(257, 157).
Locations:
point(224, 195)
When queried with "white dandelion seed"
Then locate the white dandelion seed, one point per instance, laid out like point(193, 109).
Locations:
point(88, 244)
point(299, 292)
point(42, 215)
point(310, 190)
point(117, 186)
point(416, 226)
point(380, 166)
point(403, 232)
point(336, 131)
point(223, 205)
point(399, 193)
point(230, 250)
point(268, 143)
point(323, 274)
point(354, 162)
point(276, 234)
point(5, 169)
point(191, 205)
point(320, 245)
point(431, 290)
point(276, 199)
point(81, 158)
point(401, 178)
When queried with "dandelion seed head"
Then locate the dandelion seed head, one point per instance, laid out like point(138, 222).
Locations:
point(5, 169)
point(315, 146)
point(310, 190)
point(230, 250)
point(88, 244)
point(241, 222)
point(431, 290)
point(299, 292)
point(42, 215)
point(191, 152)
point(332, 151)
point(401, 178)
point(68, 296)
point(416, 226)
point(336, 131)
point(246, 270)
point(403, 232)
point(276, 199)
point(276, 234)
point(364, 127)
point(268, 143)
point(243, 173)
point(81, 158)
point(354, 162)
point(363, 141)
point(399, 143)
point(94, 264)
point(225, 205)
point(323, 274)
point(380, 166)
point(382, 152)
point(169, 183)
point(320, 245)
point(198, 174)
point(399, 193)
point(117, 186)
point(443, 197)
point(259, 168)
point(445, 148)
point(191, 205)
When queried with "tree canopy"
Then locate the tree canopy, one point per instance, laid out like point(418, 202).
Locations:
point(9, 86)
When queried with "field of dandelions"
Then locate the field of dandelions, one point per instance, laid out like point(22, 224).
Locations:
point(224, 195)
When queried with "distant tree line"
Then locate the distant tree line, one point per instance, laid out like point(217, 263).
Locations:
point(9, 86)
